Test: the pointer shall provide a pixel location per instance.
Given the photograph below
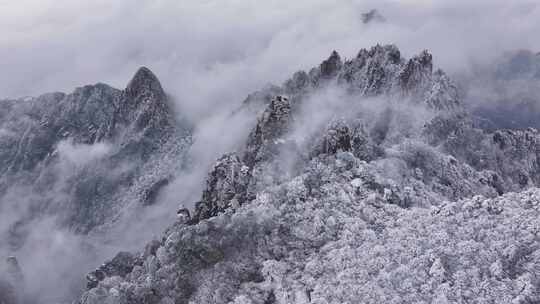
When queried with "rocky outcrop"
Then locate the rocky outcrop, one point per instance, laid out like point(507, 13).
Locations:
point(229, 183)
point(226, 187)
point(373, 71)
point(337, 137)
point(329, 68)
point(271, 126)
point(417, 71)
point(121, 265)
point(151, 194)
point(382, 70)
point(372, 16)
point(269, 156)
point(379, 70)
point(144, 84)
point(145, 109)
point(341, 135)
point(515, 155)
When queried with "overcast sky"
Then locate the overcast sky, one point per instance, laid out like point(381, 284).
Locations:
point(210, 52)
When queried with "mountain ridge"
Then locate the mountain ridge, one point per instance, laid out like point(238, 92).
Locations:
point(86, 160)
point(277, 212)
point(359, 160)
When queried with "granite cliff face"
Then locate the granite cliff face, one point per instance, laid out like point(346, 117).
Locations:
point(394, 197)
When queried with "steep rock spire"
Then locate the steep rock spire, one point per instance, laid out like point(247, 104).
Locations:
point(417, 71)
point(144, 106)
point(144, 82)
point(274, 123)
point(373, 71)
point(226, 187)
point(331, 66)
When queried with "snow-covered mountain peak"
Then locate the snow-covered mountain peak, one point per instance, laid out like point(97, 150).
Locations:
point(144, 82)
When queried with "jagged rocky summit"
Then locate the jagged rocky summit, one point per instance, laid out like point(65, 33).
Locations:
point(394, 197)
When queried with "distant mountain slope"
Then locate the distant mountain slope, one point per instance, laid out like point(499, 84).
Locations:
point(85, 159)
point(506, 92)
point(87, 150)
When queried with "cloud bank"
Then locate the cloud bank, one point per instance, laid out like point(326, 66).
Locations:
point(211, 53)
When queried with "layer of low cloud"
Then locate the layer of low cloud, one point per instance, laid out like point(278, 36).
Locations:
point(81, 154)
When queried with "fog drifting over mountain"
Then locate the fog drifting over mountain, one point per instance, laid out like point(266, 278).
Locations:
point(209, 56)
point(211, 53)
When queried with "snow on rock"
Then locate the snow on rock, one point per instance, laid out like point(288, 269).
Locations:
point(133, 132)
point(366, 210)
point(341, 246)
point(226, 187)
point(272, 124)
point(81, 165)
point(337, 137)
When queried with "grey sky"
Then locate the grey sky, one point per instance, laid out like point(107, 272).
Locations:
point(210, 52)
